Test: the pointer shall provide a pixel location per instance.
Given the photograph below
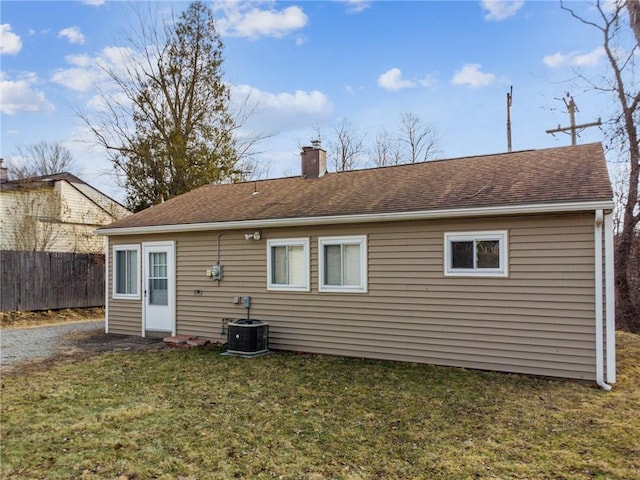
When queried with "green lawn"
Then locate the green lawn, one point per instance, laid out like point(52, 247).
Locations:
point(197, 414)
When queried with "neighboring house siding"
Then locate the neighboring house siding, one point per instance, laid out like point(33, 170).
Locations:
point(31, 217)
point(7, 202)
point(538, 320)
point(66, 218)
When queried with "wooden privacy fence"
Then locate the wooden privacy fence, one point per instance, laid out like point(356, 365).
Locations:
point(50, 280)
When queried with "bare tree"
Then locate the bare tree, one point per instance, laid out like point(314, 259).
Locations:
point(43, 158)
point(346, 147)
point(624, 135)
point(385, 150)
point(422, 140)
point(633, 6)
point(167, 127)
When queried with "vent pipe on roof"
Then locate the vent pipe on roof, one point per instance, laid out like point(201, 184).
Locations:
point(314, 160)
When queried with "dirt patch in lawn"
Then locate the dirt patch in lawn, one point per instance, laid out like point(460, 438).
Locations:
point(41, 318)
point(84, 345)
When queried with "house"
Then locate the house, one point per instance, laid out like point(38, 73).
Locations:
point(500, 262)
point(56, 213)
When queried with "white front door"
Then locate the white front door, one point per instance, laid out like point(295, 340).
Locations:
point(159, 286)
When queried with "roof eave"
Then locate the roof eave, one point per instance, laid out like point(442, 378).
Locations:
point(368, 218)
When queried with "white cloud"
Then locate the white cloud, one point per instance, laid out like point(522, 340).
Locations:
point(556, 60)
point(19, 96)
point(76, 79)
point(351, 90)
point(78, 60)
point(88, 72)
point(356, 6)
point(246, 20)
point(280, 111)
point(501, 9)
point(10, 43)
point(99, 103)
point(590, 59)
point(392, 80)
point(471, 75)
point(427, 81)
point(94, 3)
point(73, 34)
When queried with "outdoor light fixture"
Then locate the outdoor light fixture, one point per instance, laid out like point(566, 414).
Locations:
point(257, 235)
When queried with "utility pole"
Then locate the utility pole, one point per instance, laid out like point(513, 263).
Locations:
point(509, 102)
point(572, 108)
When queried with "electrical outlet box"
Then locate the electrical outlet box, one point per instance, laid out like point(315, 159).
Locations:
point(246, 302)
point(216, 272)
point(208, 272)
point(236, 300)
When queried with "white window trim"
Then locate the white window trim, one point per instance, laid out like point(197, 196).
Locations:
point(500, 235)
point(359, 239)
point(282, 242)
point(128, 296)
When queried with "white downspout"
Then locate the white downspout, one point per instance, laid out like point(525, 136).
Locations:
point(610, 306)
point(106, 285)
point(599, 304)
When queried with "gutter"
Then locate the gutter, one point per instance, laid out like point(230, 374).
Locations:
point(610, 307)
point(599, 220)
point(365, 218)
point(106, 286)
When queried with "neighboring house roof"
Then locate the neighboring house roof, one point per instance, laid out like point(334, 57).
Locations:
point(43, 179)
point(564, 175)
point(94, 195)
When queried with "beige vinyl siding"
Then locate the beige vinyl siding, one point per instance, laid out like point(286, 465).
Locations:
point(124, 314)
point(538, 320)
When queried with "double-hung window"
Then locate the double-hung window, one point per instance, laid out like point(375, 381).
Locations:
point(288, 264)
point(343, 264)
point(126, 271)
point(476, 254)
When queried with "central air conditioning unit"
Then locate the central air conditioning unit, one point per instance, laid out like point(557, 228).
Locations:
point(247, 337)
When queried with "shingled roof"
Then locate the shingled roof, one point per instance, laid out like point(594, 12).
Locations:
point(576, 174)
point(41, 181)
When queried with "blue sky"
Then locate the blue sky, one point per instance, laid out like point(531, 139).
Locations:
point(309, 65)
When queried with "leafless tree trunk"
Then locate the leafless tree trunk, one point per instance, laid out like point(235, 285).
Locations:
point(625, 135)
point(633, 6)
point(422, 140)
point(346, 147)
point(385, 151)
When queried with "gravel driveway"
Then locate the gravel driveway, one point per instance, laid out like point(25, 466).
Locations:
point(22, 344)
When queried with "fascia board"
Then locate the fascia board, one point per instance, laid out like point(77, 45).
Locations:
point(366, 218)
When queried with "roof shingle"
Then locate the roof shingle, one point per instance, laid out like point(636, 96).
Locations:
point(558, 175)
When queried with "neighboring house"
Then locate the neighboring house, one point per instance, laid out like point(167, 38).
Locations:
point(55, 213)
point(500, 262)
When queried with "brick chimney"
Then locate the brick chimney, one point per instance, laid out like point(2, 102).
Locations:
point(314, 160)
point(3, 171)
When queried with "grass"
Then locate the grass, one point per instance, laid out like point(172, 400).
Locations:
point(195, 414)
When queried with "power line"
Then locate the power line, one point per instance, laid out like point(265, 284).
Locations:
point(572, 108)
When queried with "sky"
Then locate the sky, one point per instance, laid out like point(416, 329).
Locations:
point(307, 66)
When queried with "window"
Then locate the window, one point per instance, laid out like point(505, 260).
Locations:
point(288, 264)
point(476, 253)
point(126, 271)
point(343, 264)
